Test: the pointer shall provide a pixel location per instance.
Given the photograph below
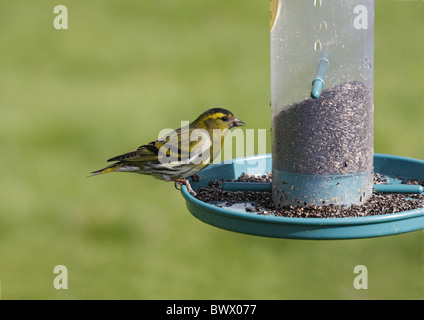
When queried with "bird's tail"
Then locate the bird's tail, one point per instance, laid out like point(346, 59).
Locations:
point(110, 168)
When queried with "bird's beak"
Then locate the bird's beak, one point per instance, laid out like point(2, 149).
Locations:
point(237, 123)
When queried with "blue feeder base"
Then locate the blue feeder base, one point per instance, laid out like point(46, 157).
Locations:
point(293, 188)
point(235, 218)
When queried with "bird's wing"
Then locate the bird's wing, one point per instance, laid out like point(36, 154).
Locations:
point(175, 145)
point(146, 152)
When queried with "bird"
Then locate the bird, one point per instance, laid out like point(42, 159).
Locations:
point(180, 154)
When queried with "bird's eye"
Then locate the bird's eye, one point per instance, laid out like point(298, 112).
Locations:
point(224, 118)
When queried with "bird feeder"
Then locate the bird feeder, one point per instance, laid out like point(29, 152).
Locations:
point(322, 101)
point(322, 80)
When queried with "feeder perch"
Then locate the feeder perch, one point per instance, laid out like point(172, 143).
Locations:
point(322, 101)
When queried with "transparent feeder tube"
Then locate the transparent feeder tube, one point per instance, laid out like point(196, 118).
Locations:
point(322, 88)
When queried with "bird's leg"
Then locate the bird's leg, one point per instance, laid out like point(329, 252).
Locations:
point(186, 183)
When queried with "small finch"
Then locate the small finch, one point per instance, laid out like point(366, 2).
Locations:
point(182, 153)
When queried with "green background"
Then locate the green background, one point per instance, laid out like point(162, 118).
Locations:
point(123, 71)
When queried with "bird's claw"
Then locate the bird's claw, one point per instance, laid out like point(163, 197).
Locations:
point(189, 189)
point(180, 182)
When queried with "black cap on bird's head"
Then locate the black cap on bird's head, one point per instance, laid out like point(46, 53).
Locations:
point(222, 118)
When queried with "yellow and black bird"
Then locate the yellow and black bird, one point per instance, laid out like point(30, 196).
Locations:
point(182, 153)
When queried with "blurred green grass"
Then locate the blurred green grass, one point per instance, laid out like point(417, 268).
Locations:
point(125, 70)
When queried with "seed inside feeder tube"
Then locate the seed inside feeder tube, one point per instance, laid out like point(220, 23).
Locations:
point(334, 136)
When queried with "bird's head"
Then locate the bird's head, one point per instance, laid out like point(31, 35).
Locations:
point(217, 118)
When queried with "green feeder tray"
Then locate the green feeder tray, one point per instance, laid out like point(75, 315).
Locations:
point(235, 218)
